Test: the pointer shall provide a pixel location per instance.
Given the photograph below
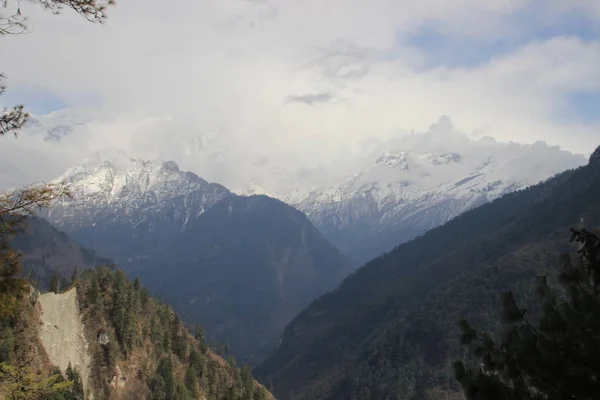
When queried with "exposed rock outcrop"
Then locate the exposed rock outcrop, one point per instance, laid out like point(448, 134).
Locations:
point(62, 333)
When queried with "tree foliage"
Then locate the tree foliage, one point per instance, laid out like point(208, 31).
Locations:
point(555, 358)
point(23, 383)
point(15, 208)
point(124, 322)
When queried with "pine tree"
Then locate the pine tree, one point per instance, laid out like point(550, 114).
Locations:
point(165, 371)
point(54, 283)
point(25, 384)
point(178, 342)
point(93, 292)
point(158, 388)
point(191, 379)
point(260, 393)
point(74, 276)
point(77, 388)
point(557, 358)
point(201, 338)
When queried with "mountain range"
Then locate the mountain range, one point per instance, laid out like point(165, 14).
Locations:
point(246, 265)
point(242, 266)
point(408, 185)
point(391, 329)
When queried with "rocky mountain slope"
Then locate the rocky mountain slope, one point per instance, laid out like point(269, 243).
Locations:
point(411, 184)
point(243, 266)
point(390, 330)
point(47, 251)
point(62, 333)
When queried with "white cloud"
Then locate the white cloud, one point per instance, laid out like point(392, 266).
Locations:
point(206, 82)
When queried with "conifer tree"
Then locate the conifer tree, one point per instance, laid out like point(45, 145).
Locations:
point(191, 379)
point(165, 371)
point(54, 283)
point(555, 358)
point(201, 338)
point(77, 388)
point(74, 276)
point(23, 383)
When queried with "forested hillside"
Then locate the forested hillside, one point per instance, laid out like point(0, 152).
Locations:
point(156, 356)
point(137, 346)
point(390, 331)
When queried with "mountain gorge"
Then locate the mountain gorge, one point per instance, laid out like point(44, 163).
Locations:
point(241, 266)
point(390, 330)
point(408, 185)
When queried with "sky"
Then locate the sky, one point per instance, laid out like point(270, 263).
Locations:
point(237, 89)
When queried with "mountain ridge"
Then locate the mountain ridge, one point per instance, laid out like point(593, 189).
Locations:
point(389, 330)
point(416, 183)
point(191, 241)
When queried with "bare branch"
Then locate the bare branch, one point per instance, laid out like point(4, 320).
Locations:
point(92, 10)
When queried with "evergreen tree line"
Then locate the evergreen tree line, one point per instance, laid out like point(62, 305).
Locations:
point(553, 357)
point(132, 321)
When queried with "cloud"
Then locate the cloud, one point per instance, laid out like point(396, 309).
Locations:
point(309, 99)
point(202, 83)
point(39, 100)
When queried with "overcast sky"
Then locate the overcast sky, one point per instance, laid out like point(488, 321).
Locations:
point(223, 86)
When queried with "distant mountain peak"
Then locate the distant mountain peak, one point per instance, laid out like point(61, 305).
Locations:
point(395, 160)
point(132, 187)
point(437, 158)
point(595, 157)
point(410, 185)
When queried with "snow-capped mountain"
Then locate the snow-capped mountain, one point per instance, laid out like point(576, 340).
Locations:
point(241, 266)
point(132, 193)
point(418, 182)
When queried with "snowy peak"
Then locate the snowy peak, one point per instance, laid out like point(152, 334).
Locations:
point(253, 189)
point(403, 159)
point(134, 188)
point(139, 178)
point(441, 158)
point(395, 160)
point(411, 184)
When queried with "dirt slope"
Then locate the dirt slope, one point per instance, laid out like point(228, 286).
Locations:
point(62, 332)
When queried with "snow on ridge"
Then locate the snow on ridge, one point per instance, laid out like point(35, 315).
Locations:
point(105, 188)
point(426, 180)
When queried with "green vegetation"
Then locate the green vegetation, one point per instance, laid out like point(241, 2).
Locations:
point(145, 338)
point(553, 357)
point(390, 332)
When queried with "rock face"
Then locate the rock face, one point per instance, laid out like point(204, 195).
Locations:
point(62, 333)
point(409, 186)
